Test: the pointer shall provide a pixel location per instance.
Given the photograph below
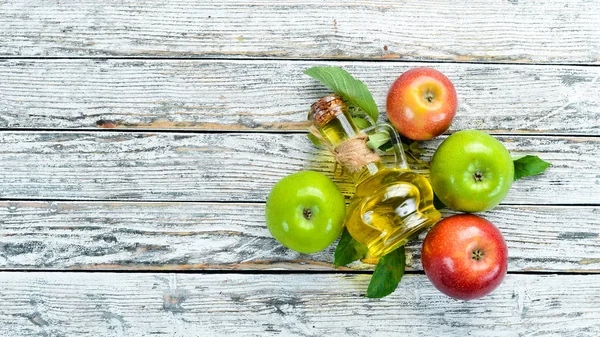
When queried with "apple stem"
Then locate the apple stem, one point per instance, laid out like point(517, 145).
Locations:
point(307, 213)
point(477, 255)
point(429, 96)
point(478, 176)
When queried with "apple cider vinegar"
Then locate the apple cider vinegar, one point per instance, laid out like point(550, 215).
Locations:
point(390, 205)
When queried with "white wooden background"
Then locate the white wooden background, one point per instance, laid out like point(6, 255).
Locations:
point(139, 140)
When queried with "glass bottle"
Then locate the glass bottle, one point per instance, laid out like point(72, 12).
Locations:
point(390, 205)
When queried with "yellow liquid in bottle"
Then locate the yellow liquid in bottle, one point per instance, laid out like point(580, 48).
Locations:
point(388, 208)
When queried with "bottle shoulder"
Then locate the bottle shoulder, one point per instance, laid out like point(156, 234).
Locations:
point(387, 177)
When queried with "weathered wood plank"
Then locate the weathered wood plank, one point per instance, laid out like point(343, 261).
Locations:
point(183, 236)
point(105, 304)
point(496, 31)
point(237, 167)
point(260, 95)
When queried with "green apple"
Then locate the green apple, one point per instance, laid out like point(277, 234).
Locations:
point(471, 171)
point(305, 211)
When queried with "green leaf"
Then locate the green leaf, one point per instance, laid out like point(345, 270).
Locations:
point(361, 123)
point(343, 84)
point(361, 119)
point(378, 139)
point(529, 166)
point(385, 147)
point(387, 274)
point(415, 148)
point(348, 250)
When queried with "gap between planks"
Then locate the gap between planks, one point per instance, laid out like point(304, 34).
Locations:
point(267, 272)
point(239, 202)
point(501, 133)
point(517, 133)
point(289, 60)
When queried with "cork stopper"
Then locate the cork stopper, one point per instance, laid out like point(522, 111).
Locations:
point(326, 109)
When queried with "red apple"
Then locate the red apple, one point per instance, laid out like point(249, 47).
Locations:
point(421, 103)
point(465, 256)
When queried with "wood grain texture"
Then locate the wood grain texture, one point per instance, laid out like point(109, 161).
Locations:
point(104, 304)
point(198, 236)
point(497, 31)
point(269, 95)
point(195, 201)
point(238, 167)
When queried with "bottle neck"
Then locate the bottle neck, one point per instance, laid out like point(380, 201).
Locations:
point(332, 120)
point(339, 130)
